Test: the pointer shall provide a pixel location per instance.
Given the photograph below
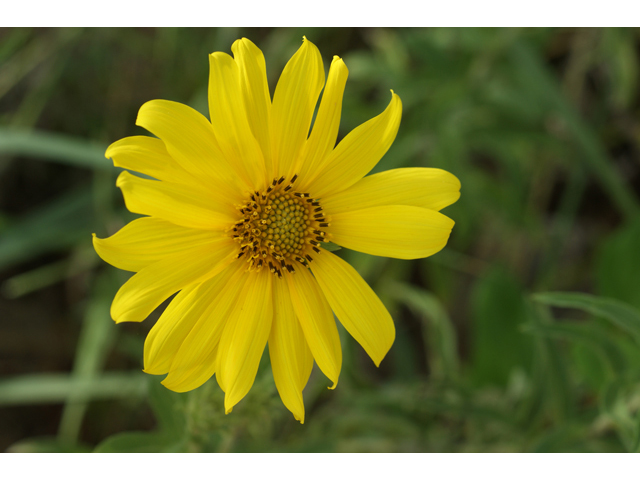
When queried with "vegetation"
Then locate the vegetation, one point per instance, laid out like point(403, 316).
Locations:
point(523, 334)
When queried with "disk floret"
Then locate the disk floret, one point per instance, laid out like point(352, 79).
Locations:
point(279, 226)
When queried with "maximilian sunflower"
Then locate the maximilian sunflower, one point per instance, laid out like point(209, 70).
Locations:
point(237, 217)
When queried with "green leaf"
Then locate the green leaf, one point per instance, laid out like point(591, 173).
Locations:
point(589, 334)
point(498, 312)
point(619, 401)
point(620, 53)
point(438, 332)
point(137, 442)
point(551, 380)
point(55, 147)
point(47, 445)
point(619, 313)
point(96, 339)
point(61, 223)
point(171, 434)
point(617, 261)
point(58, 387)
point(169, 408)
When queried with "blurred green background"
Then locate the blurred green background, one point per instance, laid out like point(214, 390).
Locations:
point(523, 334)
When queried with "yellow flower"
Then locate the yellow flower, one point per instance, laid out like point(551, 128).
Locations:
point(237, 216)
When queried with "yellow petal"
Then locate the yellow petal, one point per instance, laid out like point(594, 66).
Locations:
point(229, 120)
point(396, 231)
point(316, 319)
point(195, 361)
point(357, 307)
point(421, 187)
point(180, 204)
point(148, 288)
point(173, 326)
point(145, 241)
point(245, 337)
point(294, 102)
point(149, 156)
point(255, 91)
point(190, 140)
point(358, 152)
point(291, 359)
point(325, 128)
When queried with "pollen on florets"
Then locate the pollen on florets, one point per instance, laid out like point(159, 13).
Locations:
point(279, 226)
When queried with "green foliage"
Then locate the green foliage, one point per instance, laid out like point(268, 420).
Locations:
point(618, 275)
point(498, 312)
point(168, 408)
point(540, 126)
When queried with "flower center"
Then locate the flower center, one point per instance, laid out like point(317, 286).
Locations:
point(279, 226)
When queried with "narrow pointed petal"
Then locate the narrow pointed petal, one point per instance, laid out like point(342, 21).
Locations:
point(145, 241)
point(183, 205)
point(173, 326)
point(195, 360)
point(316, 319)
point(149, 156)
point(148, 288)
point(245, 337)
point(294, 102)
point(291, 359)
point(357, 307)
point(421, 187)
point(255, 92)
point(229, 120)
point(325, 128)
point(358, 152)
point(190, 140)
point(396, 231)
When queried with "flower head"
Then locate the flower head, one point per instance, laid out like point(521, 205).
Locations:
point(237, 214)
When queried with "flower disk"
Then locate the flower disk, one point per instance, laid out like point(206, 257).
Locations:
point(238, 209)
point(278, 226)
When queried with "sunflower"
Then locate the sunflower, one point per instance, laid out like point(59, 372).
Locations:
point(237, 211)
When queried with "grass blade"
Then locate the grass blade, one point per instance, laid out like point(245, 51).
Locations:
point(619, 313)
